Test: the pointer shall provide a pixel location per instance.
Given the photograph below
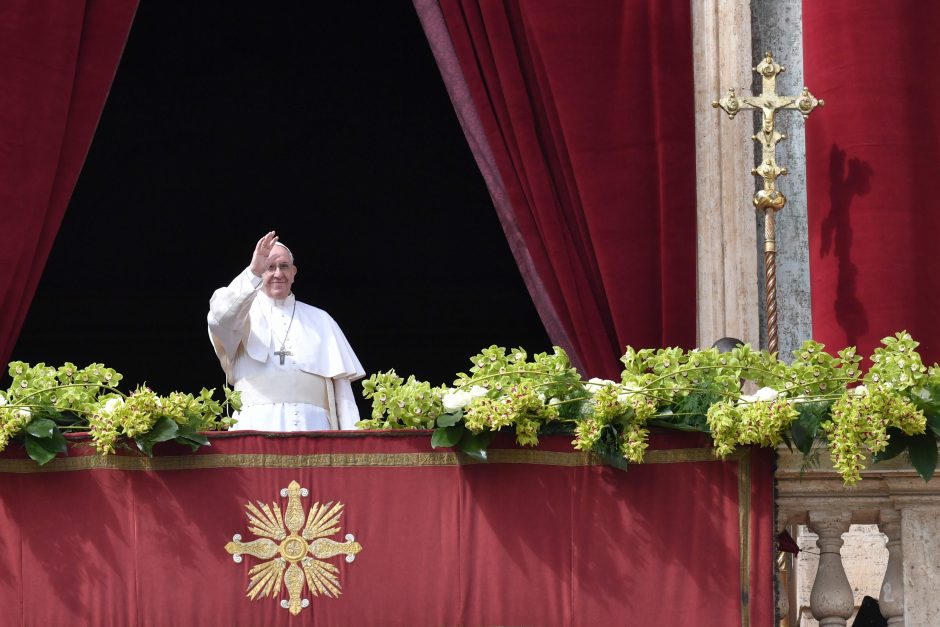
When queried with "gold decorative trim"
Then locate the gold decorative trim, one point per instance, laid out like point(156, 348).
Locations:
point(340, 460)
point(295, 547)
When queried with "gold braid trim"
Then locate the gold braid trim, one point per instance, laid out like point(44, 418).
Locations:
point(342, 460)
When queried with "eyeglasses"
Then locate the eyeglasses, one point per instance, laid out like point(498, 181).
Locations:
point(283, 267)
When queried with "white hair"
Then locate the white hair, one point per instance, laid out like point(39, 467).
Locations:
point(284, 246)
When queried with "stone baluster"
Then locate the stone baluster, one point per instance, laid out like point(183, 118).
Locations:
point(891, 601)
point(831, 600)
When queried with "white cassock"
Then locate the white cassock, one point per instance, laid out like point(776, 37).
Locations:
point(290, 361)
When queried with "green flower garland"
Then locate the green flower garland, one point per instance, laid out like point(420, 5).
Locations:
point(893, 407)
point(44, 402)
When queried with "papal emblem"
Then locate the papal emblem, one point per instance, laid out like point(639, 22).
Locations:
point(296, 548)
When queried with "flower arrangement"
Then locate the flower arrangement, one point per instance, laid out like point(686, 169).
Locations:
point(893, 407)
point(44, 402)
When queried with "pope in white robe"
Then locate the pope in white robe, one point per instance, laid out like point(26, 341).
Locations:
point(290, 361)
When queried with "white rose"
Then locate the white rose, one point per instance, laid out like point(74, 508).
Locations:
point(764, 394)
point(477, 391)
point(860, 390)
point(111, 405)
point(456, 400)
point(594, 385)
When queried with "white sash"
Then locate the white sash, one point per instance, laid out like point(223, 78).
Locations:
point(289, 387)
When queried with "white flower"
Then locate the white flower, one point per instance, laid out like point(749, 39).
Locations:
point(3, 400)
point(554, 401)
point(24, 412)
point(541, 396)
point(111, 405)
point(456, 400)
point(764, 394)
point(861, 390)
point(594, 385)
point(477, 391)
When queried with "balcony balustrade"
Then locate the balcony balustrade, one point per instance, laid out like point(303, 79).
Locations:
point(894, 518)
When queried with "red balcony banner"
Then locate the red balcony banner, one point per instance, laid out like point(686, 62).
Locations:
point(543, 536)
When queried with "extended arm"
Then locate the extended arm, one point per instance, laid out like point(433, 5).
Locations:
point(229, 306)
point(228, 315)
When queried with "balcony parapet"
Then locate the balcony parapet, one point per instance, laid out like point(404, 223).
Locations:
point(905, 512)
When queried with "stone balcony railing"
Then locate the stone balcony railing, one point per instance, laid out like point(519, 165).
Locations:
point(892, 552)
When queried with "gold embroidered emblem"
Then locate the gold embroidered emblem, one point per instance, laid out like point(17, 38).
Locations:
point(293, 555)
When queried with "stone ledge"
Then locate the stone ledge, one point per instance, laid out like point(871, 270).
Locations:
point(890, 484)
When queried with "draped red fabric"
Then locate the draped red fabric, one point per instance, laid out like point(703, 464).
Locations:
point(57, 61)
point(580, 116)
point(534, 537)
point(871, 154)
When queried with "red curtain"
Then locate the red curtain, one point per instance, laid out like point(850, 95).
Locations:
point(871, 157)
point(535, 537)
point(57, 60)
point(580, 116)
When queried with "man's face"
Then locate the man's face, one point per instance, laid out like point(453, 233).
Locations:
point(279, 276)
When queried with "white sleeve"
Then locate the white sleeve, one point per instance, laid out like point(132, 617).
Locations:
point(348, 413)
point(228, 315)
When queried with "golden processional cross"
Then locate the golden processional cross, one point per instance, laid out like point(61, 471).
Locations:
point(769, 200)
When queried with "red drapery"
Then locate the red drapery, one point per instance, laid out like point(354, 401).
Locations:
point(580, 117)
point(57, 60)
point(535, 537)
point(871, 157)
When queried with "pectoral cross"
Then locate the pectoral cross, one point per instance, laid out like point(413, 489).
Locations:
point(282, 354)
point(769, 200)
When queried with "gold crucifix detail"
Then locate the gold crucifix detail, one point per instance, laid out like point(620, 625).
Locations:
point(769, 199)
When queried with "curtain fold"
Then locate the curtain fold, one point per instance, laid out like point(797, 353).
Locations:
point(57, 61)
point(581, 119)
point(871, 155)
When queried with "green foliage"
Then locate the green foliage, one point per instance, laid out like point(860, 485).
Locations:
point(43, 401)
point(923, 452)
point(805, 429)
point(815, 398)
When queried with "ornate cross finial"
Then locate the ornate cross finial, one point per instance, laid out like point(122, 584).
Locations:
point(769, 199)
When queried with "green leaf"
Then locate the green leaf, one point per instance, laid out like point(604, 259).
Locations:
point(805, 427)
point(41, 450)
point(192, 445)
point(164, 429)
point(447, 436)
point(192, 438)
point(449, 420)
point(897, 442)
point(57, 441)
point(933, 423)
point(615, 460)
point(145, 446)
point(475, 444)
point(41, 427)
point(923, 452)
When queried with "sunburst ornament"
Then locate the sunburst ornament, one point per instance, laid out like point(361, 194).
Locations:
point(293, 555)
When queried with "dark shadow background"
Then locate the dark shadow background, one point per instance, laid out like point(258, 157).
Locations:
point(327, 122)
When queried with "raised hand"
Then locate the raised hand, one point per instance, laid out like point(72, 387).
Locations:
point(259, 259)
